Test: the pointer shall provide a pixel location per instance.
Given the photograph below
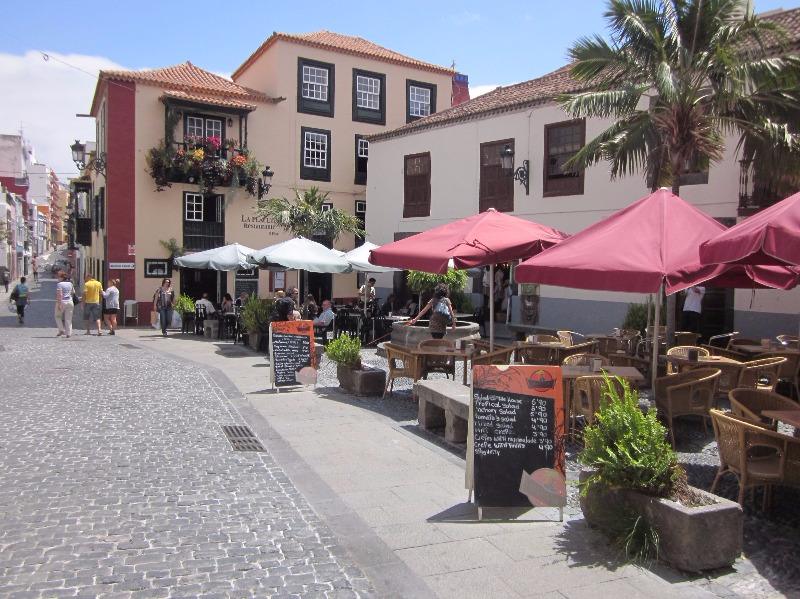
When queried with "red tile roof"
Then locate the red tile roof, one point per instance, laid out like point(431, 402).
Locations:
point(347, 44)
point(190, 79)
point(544, 89)
point(210, 100)
point(502, 99)
point(790, 21)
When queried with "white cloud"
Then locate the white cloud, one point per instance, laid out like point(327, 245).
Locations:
point(479, 90)
point(42, 97)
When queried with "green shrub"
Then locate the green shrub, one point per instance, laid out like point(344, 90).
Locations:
point(345, 350)
point(461, 302)
point(426, 282)
point(636, 317)
point(256, 315)
point(185, 304)
point(628, 448)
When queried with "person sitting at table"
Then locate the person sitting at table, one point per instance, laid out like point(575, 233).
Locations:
point(283, 309)
point(326, 317)
point(206, 303)
point(309, 309)
point(295, 315)
point(242, 299)
point(388, 306)
point(227, 303)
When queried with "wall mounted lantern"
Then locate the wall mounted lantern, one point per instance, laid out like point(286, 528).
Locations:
point(521, 173)
point(265, 182)
point(98, 163)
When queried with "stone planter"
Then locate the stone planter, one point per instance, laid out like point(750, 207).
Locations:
point(692, 539)
point(253, 339)
point(361, 381)
point(411, 335)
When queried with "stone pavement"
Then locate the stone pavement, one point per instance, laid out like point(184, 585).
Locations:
point(116, 480)
point(369, 471)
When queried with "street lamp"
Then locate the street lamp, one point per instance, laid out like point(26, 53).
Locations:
point(265, 182)
point(98, 164)
point(521, 173)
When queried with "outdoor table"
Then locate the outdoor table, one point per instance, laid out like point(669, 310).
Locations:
point(458, 354)
point(791, 417)
point(754, 350)
point(570, 373)
point(730, 368)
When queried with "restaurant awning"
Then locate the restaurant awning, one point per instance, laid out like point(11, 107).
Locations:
point(228, 257)
point(301, 254)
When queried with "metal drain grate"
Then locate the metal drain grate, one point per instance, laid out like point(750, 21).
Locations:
point(242, 438)
point(129, 346)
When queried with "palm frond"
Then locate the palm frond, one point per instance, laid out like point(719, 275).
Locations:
point(602, 104)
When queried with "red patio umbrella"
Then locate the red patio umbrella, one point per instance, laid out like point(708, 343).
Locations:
point(484, 239)
point(652, 244)
point(771, 236)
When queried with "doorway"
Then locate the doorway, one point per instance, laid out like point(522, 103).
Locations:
point(196, 281)
point(320, 285)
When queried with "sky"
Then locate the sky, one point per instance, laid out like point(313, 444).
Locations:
point(51, 50)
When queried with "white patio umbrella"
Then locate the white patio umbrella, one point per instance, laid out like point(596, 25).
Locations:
point(300, 254)
point(227, 257)
point(359, 259)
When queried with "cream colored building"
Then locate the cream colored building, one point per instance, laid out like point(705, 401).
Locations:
point(300, 104)
point(447, 166)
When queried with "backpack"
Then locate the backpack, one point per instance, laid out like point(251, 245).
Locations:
point(442, 310)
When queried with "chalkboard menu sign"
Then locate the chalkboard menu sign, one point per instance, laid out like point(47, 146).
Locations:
point(292, 355)
point(517, 439)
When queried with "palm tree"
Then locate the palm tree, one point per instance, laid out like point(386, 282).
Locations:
point(679, 78)
point(309, 214)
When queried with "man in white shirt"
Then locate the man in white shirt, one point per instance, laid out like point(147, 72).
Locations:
point(206, 303)
point(692, 308)
point(367, 288)
point(326, 317)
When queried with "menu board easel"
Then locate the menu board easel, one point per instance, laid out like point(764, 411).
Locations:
point(292, 355)
point(515, 446)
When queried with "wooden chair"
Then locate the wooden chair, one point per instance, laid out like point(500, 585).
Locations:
point(750, 403)
point(587, 394)
point(683, 352)
point(498, 357)
point(444, 364)
point(775, 461)
point(589, 347)
point(689, 393)
point(608, 345)
point(790, 370)
point(584, 360)
point(761, 374)
point(686, 338)
point(536, 354)
point(402, 364)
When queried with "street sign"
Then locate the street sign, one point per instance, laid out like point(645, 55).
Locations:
point(121, 265)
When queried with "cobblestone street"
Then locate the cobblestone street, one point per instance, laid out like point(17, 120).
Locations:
point(117, 480)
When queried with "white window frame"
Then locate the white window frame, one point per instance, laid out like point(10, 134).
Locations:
point(194, 206)
point(326, 207)
point(419, 101)
point(315, 83)
point(368, 92)
point(195, 123)
point(363, 148)
point(316, 155)
point(361, 206)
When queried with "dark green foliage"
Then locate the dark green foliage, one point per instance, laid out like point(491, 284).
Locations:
point(345, 349)
point(256, 315)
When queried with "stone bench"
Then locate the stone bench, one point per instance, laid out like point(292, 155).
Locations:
point(444, 402)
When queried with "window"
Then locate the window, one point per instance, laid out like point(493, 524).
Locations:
point(420, 100)
point(496, 188)
point(199, 126)
point(326, 207)
point(369, 97)
point(417, 185)
point(195, 127)
point(362, 155)
point(561, 142)
point(194, 207)
point(315, 154)
point(156, 268)
point(315, 90)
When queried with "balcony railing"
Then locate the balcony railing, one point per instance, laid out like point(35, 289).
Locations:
point(756, 191)
point(200, 235)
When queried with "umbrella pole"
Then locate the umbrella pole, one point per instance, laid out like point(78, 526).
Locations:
point(655, 340)
point(491, 307)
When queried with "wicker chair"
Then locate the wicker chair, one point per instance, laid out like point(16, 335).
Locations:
point(790, 370)
point(587, 393)
point(750, 403)
point(734, 341)
point(542, 339)
point(643, 365)
point(565, 337)
point(498, 357)
point(683, 352)
point(689, 393)
point(444, 364)
point(761, 374)
point(790, 341)
point(402, 364)
point(584, 360)
point(608, 345)
point(536, 354)
point(686, 338)
point(589, 347)
point(776, 460)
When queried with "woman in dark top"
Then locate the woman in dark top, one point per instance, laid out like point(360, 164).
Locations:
point(441, 312)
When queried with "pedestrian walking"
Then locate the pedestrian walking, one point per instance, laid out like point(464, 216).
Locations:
point(35, 269)
point(92, 290)
point(163, 300)
point(111, 295)
point(65, 305)
point(20, 297)
point(6, 279)
point(441, 312)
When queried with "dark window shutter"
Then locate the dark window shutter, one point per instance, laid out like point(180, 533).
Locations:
point(417, 185)
point(496, 183)
point(561, 142)
point(102, 207)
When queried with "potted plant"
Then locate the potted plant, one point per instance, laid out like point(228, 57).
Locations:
point(256, 318)
point(184, 306)
point(345, 350)
point(635, 490)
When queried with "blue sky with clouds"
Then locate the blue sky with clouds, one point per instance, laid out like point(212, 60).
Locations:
point(492, 42)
